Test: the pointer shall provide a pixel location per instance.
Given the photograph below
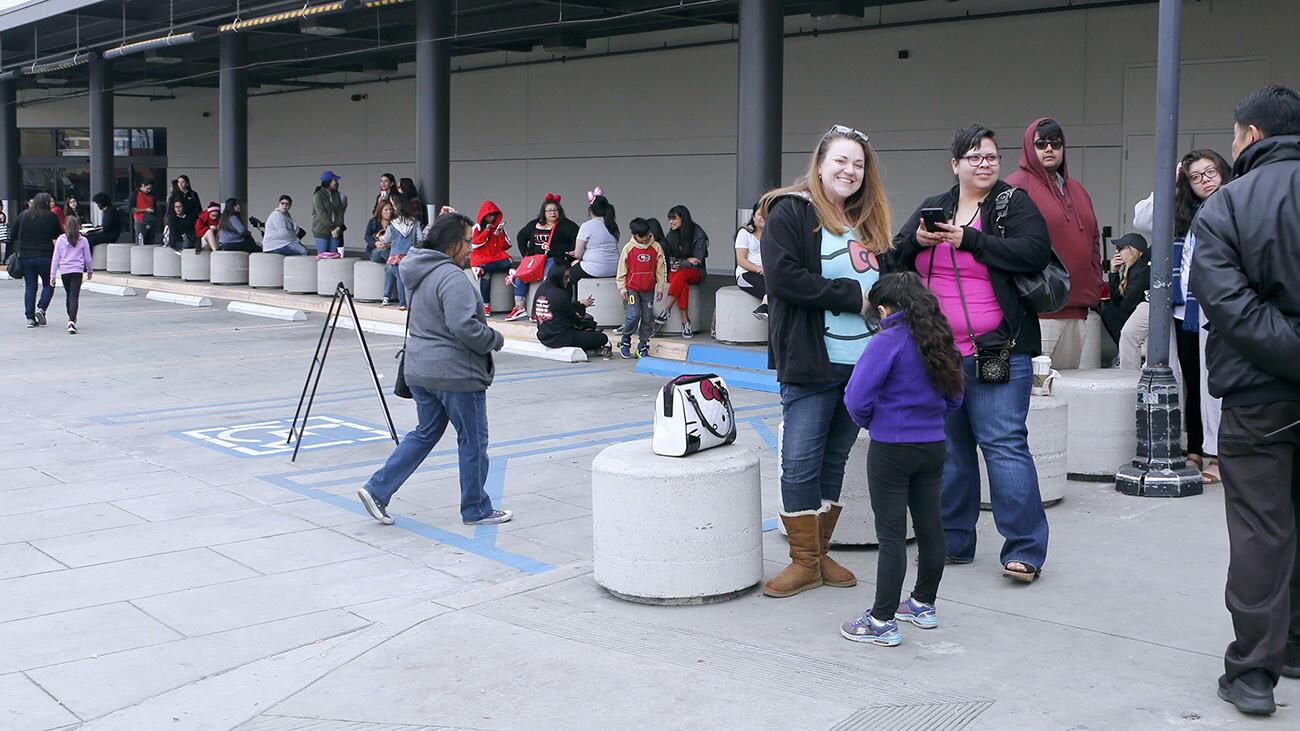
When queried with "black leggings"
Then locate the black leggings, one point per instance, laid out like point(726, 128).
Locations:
point(1189, 360)
point(901, 476)
point(72, 286)
point(757, 287)
point(585, 339)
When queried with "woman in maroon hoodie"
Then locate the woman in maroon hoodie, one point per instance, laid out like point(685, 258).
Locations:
point(1072, 225)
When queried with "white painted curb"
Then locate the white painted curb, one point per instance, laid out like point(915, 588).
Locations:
point(277, 313)
point(112, 289)
point(4, 274)
point(374, 327)
point(537, 350)
point(188, 300)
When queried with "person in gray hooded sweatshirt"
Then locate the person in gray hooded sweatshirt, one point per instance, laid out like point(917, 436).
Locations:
point(448, 367)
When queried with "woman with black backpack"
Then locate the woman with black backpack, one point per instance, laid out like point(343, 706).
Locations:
point(968, 244)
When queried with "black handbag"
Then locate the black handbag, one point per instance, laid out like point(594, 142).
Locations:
point(400, 387)
point(1046, 291)
point(14, 266)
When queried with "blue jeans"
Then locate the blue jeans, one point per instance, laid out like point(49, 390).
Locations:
point(379, 256)
point(521, 288)
point(292, 248)
point(324, 244)
point(640, 318)
point(819, 433)
point(393, 280)
point(468, 413)
point(993, 418)
point(485, 283)
point(34, 269)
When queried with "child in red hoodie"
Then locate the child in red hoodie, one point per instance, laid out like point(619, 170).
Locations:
point(488, 253)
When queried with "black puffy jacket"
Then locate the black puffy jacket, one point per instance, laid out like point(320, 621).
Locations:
point(1246, 276)
point(1026, 248)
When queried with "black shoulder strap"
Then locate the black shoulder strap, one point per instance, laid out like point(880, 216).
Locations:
point(1000, 205)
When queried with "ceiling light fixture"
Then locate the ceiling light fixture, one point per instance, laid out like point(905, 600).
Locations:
point(306, 11)
point(153, 44)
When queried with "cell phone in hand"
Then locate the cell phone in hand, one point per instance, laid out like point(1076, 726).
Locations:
point(931, 216)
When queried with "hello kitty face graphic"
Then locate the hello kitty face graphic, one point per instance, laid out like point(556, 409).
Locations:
point(864, 260)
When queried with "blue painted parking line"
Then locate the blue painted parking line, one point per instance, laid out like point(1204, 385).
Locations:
point(764, 381)
point(752, 359)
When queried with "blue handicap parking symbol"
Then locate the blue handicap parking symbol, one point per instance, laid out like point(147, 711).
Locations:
point(267, 438)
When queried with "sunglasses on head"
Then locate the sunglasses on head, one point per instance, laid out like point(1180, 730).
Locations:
point(1044, 144)
point(839, 129)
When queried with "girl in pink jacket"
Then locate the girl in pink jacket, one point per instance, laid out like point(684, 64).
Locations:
point(72, 259)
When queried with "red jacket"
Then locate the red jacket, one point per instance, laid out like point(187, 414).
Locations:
point(490, 242)
point(1071, 223)
point(206, 220)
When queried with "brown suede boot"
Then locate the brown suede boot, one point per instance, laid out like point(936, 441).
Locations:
point(804, 571)
point(833, 574)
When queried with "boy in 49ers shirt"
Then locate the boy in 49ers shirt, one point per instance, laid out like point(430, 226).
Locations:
point(642, 278)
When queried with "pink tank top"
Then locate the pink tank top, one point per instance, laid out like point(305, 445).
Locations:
point(935, 267)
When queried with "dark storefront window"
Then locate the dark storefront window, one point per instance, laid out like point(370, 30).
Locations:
point(57, 161)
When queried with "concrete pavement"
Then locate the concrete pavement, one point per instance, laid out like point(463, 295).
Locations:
point(163, 565)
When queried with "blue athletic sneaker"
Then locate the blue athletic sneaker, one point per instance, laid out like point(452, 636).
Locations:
point(869, 629)
point(918, 613)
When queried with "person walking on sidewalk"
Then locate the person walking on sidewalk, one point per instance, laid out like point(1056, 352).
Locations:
point(1244, 276)
point(72, 261)
point(642, 278)
point(35, 232)
point(1072, 225)
point(820, 248)
point(904, 386)
point(449, 368)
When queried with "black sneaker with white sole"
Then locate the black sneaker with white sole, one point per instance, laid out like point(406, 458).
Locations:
point(497, 516)
point(376, 510)
point(40, 317)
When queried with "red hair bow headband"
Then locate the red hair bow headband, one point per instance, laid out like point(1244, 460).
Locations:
point(591, 194)
point(552, 198)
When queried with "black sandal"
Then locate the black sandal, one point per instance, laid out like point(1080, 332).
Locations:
point(1027, 577)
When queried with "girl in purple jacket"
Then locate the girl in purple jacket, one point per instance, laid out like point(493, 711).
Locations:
point(905, 384)
point(72, 260)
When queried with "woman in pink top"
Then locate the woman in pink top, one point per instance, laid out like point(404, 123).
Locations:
point(987, 233)
point(72, 260)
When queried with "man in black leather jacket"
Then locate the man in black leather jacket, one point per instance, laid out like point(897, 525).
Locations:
point(1246, 276)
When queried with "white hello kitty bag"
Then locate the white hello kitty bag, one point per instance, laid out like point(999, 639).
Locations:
point(693, 413)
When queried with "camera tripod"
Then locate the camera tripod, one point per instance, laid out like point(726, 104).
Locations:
point(342, 296)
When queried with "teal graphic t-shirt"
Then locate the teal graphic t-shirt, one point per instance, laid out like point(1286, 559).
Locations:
point(844, 257)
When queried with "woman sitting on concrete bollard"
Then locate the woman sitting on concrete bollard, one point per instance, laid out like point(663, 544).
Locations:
point(448, 367)
point(552, 234)
point(686, 246)
point(1130, 281)
point(749, 261)
point(596, 248)
point(232, 232)
point(402, 235)
point(376, 233)
point(967, 245)
point(282, 234)
point(904, 386)
point(563, 323)
point(182, 191)
point(491, 252)
point(208, 226)
point(178, 232)
point(820, 248)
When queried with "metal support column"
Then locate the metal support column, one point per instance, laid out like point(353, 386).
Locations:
point(102, 173)
point(433, 101)
point(10, 181)
point(233, 133)
point(1159, 469)
point(758, 144)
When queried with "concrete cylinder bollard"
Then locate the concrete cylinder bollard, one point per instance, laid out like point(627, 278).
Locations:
point(733, 317)
point(229, 267)
point(368, 278)
point(670, 530)
point(1048, 425)
point(1102, 420)
point(99, 257)
point(166, 262)
point(300, 274)
point(674, 324)
point(503, 295)
point(118, 259)
point(857, 524)
point(196, 266)
point(330, 273)
point(266, 271)
point(608, 307)
point(142, 260)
